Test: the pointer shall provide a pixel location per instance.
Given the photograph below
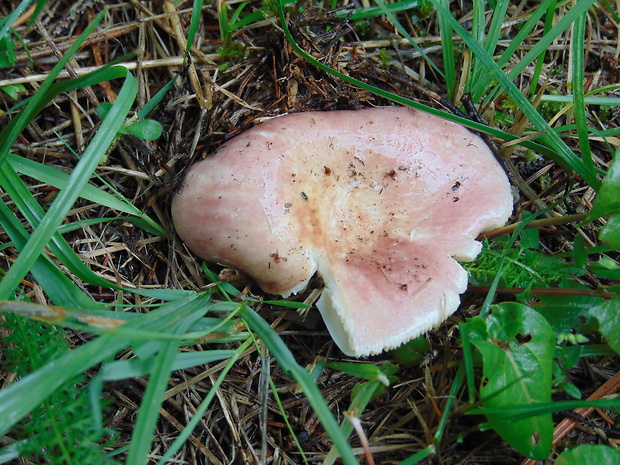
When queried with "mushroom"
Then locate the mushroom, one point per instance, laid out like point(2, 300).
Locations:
point(380, 203)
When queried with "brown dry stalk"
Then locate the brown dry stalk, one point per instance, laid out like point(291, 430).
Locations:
point(542, 223)
point(611, 386)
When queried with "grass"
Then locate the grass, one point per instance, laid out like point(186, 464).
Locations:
point(164, 360)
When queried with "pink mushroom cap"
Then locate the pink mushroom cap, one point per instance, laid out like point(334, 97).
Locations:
point(381, 203)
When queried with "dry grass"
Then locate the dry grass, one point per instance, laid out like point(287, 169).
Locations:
point(216, 98)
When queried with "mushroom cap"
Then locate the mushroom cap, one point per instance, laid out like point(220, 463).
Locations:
point(381, 203)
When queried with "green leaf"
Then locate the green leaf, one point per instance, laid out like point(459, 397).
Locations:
point(19, 398)
point(608, 316)
point(7, 52)
point(289, 365)
point(607, 199)
point(103, 109)
point(362, 394)
point(413, 352)
point(580, 254)
point(45, 92)
point(610, 233)
point(14, 90)
point(517, 346)
point(135, 368)
point(146, 129)
point(67, 197)
point(568, 313)
point(589, 454)
point(365, 370)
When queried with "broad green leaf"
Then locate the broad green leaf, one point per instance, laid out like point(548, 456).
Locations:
point(146, 129)
point(517, 346)
point(413, 352)
point(608, 316)
point(13, 91)
point(607, 199)
point(589, 454)
point(568, 313)
point(610, 233)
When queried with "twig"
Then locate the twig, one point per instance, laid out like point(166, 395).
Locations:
point(542, 223)
point(611, 386)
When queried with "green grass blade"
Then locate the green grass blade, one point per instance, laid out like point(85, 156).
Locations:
point(419, 456)
point(564, 22)
point(495, 28)
point(107, 72)
point(451, 400)
point(447, 49)
point(67, 197)
point(60, 289)
point(386, 11)
point(157, 98)
point(9, 135)
point(564, 155)
point(289, 365)
point(59, 180)
point(19, 398)
point(543, 150)
point(375, 11)
point(77, 225)
point(587, 100)
point(148, 414)
point(525, 30)
point(276, 397)
point(10, 19)
point(520, 412)
point(478, 33)
point(34, 214)
point(578, 62)
point(358, 404)
point(134, 368)
point(193, 25)
point(541, 58)
point(202, 408)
